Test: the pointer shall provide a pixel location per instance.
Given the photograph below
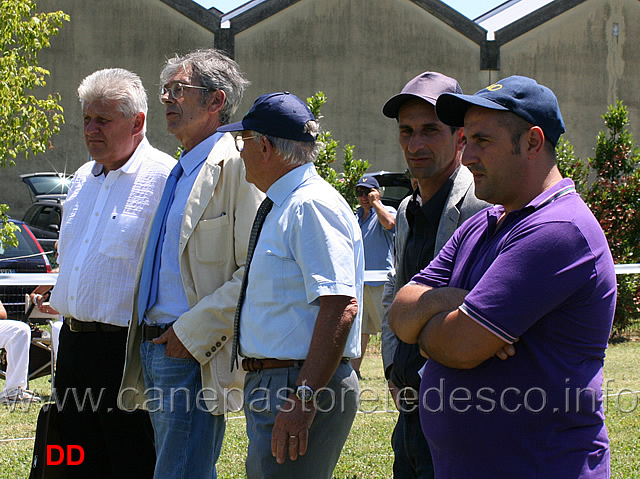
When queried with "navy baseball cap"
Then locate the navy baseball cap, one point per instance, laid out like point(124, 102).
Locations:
point(521, 95)
point(281, 114)
point(368, 182)
point(427, 86)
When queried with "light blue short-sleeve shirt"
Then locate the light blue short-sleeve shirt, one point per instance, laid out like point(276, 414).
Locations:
point(378, 242)
point(310, 246)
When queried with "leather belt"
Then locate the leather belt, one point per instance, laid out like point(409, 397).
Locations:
point(153, 331)
point(77, 326)
point(255, 364)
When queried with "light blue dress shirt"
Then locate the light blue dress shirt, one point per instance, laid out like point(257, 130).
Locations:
point(172, 300)
point(310, 246)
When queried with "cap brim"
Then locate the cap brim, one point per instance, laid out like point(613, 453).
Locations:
point(452, 107)
point(392, 107)
point(237, 126)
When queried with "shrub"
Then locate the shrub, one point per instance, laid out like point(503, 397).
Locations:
point(614, 198)
point(353, 170)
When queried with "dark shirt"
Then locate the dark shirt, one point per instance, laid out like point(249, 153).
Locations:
point(423, 220)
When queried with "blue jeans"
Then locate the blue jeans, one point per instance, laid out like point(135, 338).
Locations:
point(188, 438)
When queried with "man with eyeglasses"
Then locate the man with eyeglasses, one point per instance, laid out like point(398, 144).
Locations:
point(377, 223)
point(179, 346)
point(298, 323)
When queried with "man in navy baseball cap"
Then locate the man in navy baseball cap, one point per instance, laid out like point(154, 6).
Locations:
point(281, 114)
point(521, 95)
point(521, 299)
point(297, 323)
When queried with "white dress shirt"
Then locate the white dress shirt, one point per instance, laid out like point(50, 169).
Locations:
point(104, 224)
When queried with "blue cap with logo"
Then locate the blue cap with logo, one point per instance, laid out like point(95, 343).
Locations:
point(282, 115)
point(368, 182)
point(521, 95)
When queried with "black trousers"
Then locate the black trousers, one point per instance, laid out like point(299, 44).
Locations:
point(412, 456)
point(116, 444)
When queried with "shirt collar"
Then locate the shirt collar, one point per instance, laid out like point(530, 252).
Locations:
point(291, 181)
point(132, 164)
point(192, 159)
point(561, 188)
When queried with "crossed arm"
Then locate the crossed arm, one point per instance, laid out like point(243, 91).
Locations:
point(431, 318)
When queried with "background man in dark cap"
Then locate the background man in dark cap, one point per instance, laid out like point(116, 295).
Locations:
point(424, 222)
point(299, 324)
point(377, 223)
point(536, 269)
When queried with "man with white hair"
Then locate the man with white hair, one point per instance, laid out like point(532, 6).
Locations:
point(109, 207)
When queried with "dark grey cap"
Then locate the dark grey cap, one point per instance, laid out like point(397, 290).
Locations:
point(427, 86)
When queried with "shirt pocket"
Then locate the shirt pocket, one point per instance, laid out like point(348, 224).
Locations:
point(213, 240)
point(122, 237)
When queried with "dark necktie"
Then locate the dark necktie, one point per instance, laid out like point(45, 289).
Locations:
point(264, 209)
point(148, 290)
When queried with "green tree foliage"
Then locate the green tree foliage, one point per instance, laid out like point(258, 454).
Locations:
point(26, 122)
point(614, 199)
point(353, 170)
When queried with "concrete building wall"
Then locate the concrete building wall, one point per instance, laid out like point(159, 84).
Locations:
point(359, 53)
point(137, 35)
point(577, 55)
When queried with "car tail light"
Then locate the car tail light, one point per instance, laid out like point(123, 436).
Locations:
point(44, 256)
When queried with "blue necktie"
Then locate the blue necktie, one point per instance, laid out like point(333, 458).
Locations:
point(264, 209)
point(148, 291)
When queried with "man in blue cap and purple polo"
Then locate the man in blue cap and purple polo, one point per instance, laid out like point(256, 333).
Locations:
point(532, 277)
point(297, 322)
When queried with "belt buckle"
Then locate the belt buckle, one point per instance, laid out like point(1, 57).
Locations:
point(146, 333)
point(71, 323)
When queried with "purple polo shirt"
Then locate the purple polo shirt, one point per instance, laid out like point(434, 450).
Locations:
point(545, 276)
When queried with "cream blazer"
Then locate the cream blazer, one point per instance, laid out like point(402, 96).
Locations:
point(213, 248)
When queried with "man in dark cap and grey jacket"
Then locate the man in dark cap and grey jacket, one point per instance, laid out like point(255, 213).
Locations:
point(425, 221)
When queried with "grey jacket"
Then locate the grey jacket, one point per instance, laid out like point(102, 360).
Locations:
point(460, 206)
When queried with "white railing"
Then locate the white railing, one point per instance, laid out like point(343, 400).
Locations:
point(28, 279)
point(35, 279)
point(370, 276)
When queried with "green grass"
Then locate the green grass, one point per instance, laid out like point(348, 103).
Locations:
point(367, 453)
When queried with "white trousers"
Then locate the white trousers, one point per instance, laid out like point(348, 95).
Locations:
point(15, 338)
point(55, 336)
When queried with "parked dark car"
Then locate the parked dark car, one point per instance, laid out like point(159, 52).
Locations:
point(394, 187)
point(27, 257)
point(48, 191)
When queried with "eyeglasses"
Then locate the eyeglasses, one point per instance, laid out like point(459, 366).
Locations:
point(240, 141)
point(362, 192)
point(177, 90)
